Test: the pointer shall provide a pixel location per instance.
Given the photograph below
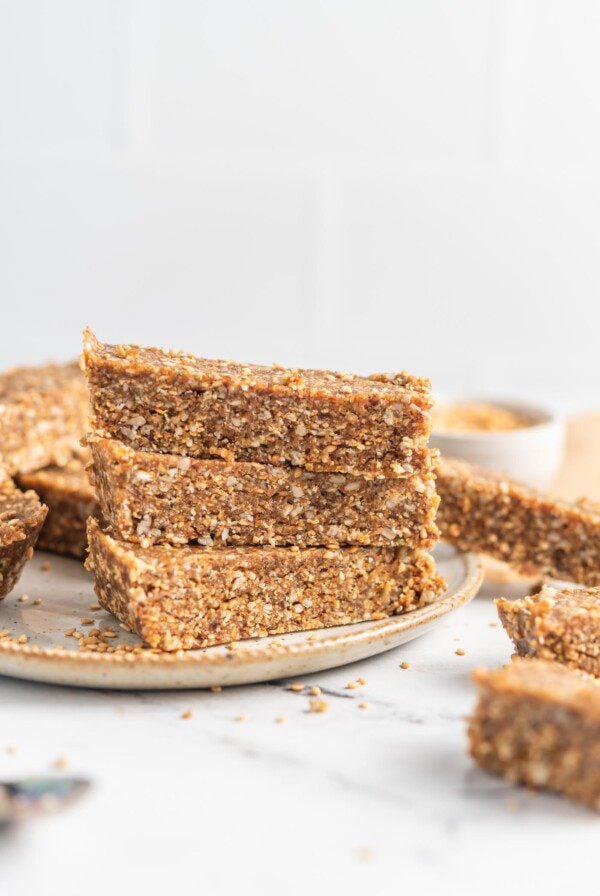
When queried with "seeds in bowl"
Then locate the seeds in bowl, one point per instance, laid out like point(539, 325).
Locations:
point(478, 417)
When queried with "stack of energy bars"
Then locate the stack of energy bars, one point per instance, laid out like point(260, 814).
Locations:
point(237, 500)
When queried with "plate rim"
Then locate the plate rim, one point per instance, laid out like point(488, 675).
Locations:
point(249, 652)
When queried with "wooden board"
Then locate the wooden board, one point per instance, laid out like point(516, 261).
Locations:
point(580, 476)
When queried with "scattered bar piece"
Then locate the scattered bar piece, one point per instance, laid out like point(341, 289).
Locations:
point(556, 625)
point(174, 403)
point(70, 499)
point(538, 723)
point(534, 533)
point(185, 597)
point(151, 498)
point(43, 415)
point(21, 518)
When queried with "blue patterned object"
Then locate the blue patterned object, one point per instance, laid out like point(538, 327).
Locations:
point(35, 796)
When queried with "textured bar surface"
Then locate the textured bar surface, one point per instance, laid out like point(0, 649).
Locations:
point(174, 403)
point(70, 500)
point(185, 597)
point(538, 723)
point(21, 518)
point(534, 533)
point(556, 625)
point(43, 415)
point(152, 498)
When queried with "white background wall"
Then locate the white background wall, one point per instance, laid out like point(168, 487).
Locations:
point(356, 183)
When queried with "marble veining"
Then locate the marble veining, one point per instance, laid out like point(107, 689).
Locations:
point(349, 801)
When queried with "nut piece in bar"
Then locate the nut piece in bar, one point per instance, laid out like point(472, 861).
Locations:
point(70, 500)
point(535, 534)
point(21, 518)
point(538, 723)
point(43, 415)
point(174, 403)
point(556, 625)
point(185, 597)
point(151, 498)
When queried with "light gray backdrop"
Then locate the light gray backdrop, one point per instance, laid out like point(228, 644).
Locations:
point(334, 182)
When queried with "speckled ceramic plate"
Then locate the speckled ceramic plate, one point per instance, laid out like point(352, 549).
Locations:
point(66, 594)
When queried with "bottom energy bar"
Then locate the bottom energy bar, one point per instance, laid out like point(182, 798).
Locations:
point(185, 597)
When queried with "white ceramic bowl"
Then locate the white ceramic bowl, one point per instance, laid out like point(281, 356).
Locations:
point(532, 455)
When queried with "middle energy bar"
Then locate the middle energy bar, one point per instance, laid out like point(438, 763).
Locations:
point(151, 498)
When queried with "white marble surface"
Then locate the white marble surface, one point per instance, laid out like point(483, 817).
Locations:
point(351, 801)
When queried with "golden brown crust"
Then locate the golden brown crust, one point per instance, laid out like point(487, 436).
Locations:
point(151, 498)
point(43, 413)
point(556, 625)
point(21, 518)
point(70, 500)
point(534, 533)
point(538, 723)
point(186, 597)
point(173, 403)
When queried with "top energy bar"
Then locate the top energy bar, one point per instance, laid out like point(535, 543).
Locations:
point(174, 403)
